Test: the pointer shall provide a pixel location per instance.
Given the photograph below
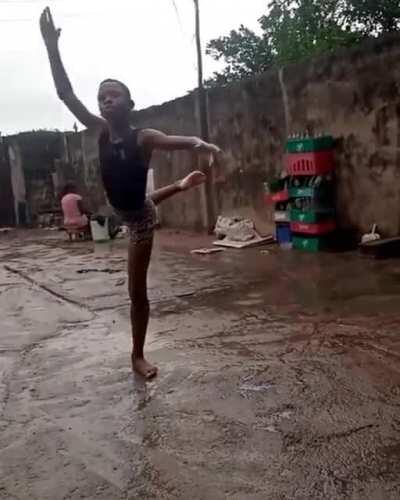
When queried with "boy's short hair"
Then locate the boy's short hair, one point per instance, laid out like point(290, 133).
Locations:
point(125, 87)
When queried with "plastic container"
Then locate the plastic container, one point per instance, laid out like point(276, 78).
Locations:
point(280, 197)
point(274, 186)
point(282, 216)
point(324, 192)
point(283, 234)
point(314, 163)
point(310, 144)
point(309, 244)
point(310, 216)
point(99, 232)
point(320, 228)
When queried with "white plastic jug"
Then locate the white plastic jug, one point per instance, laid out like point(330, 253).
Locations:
point(100, 233)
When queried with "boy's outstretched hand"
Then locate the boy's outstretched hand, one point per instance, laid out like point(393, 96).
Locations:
point(206, 147)
point(192, 180)
point(50, 33)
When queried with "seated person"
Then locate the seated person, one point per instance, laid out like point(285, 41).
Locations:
point(74, 211)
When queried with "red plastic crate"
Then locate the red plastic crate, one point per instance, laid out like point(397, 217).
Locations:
point(317, 163)
point(280, 197)
point(313, 229)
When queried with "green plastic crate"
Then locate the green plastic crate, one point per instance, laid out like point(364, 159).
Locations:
point(310, 216)
point(274, 186)
point(319, 192)
point(309, 244)
point(310, 145)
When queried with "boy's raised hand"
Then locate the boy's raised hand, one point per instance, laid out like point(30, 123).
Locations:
point(50, 33)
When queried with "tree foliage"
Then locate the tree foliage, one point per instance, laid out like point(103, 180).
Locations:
point(294, 30)
point(243, 52)
point(372, 17)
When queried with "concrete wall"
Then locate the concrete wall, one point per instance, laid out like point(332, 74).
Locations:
point(356, 96)
point(353, 94)
point(38, 164)
point(7, 214)
point(82, 162)
point(176, 117)
point(32, 157)
point(18, 183)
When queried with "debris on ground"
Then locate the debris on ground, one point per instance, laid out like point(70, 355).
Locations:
point(372, 236)
point(255, 388)
point(382, 248)
point(105, 270)
point(206, 251)
point(256, 241)
point(5, 230)
point(250, 385)
point(235, 228)
point(238, 232)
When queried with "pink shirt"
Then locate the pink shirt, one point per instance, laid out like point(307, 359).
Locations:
point(72, 214)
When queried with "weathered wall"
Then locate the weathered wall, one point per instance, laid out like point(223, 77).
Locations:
point(91, 171)
point(7, 215)
point(81, 164)
point(176, 117)
point(356, 96)
point(36, 166)
point(32, 156)
point(353, 94)
point(18, 183)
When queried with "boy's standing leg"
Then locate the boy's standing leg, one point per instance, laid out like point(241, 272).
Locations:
point(138, 264)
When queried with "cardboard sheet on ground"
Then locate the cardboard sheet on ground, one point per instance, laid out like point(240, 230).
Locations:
point(244, 244)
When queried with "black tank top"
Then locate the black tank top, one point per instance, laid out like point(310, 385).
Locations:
point(124, 167)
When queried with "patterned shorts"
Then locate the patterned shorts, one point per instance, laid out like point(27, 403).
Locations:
point(141, 223)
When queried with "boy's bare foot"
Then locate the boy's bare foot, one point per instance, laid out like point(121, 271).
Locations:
point(192, 180)
point(143, 368)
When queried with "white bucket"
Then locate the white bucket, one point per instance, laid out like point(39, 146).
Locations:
point(100, 233)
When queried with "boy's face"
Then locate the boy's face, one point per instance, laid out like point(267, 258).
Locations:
point(113, 101)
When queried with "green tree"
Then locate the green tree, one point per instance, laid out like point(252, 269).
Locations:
point(297, 30)
point(294, 30)
point(372, 17)
point(243, 52)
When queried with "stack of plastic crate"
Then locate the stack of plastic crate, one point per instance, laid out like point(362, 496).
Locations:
point(310, 164)
point(279, 197)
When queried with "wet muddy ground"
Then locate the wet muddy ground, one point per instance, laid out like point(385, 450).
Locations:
point(279, 375)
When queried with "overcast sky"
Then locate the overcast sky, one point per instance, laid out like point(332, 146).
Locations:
point(145, 43)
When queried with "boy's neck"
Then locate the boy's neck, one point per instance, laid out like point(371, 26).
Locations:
point(118, 130)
